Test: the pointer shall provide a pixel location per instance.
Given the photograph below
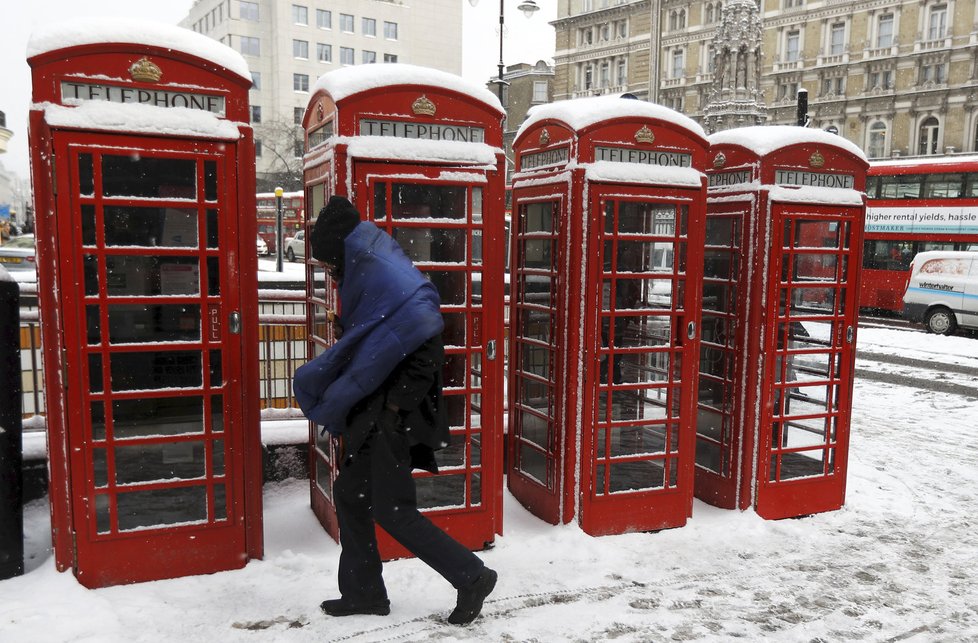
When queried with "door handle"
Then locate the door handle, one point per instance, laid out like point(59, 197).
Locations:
point(234, 322)
point(849, 334)
point(491, 350)
point(691, 330)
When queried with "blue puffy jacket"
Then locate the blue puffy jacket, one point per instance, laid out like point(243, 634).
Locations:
point(388, 310)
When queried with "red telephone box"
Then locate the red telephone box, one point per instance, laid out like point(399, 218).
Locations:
point(783, 252)
point(419, 153)
point(142, 160)
point(607, 232)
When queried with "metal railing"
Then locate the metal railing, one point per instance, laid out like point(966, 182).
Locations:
point(282, 349)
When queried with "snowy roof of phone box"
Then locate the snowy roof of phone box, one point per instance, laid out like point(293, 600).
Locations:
point(348, 81)
point(91, 31)
point(579, 113)
point(764, 139)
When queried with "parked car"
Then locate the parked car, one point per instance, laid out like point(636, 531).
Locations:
point(18, 253)
point(262, 247)
point(943, 291)
point(295, 247)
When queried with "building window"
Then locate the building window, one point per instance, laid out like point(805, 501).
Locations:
point(248, 11)
point(709, 14)
point(678, 66)
point(677, 20)
point(877, 140)
point(297, 149)
point(300, 14)
point(792, 4)
point(929, 131)
point(258, 148)
point(390, 30)
point(346, 23)
point(256, 80)
point(621, 29)
point(300, 82)
point(604, 74)
point(937, 22)
point(585, 36)
point(834, 86)
point(787, 91)
point(791, 46)
point(622, 72)
point(588, 80)
point(369, 26)
point(324, 52)
point(711, 59)
point(324, 19)
point(539, 91)
point(837, 39)
point(300, 49)
point(880, 79)
point(346, 55)
point(935, 73)
point(368, 57)
point(390, 58)
point(298, 113)
point(250, 46)
point(256, 113)
point(884, 31)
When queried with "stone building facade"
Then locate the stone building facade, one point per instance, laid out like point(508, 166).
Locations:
point(896, 77)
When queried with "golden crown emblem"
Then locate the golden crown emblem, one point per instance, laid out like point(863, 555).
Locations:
point(816, 160)
point(320, 113)
point(720, 160)
point(423, 105)
point(544, 137)
point(145, 71)
point(644, 135)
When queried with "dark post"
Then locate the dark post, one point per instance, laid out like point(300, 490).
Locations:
point(279, 250)
point(11, 431)
point(502, 27)
point(803, 107)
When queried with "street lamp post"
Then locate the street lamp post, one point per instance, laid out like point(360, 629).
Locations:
point(528, 7)
point(278, 229)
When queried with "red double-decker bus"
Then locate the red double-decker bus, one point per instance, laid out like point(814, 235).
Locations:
point(292, 216)
point(914, 204)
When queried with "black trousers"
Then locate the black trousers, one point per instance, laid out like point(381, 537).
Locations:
point(376, 485)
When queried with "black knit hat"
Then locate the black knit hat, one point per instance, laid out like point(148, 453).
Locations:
point(336, 220)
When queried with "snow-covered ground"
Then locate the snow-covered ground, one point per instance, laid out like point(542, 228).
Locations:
point(897, 563)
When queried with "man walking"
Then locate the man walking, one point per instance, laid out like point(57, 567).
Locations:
point(379, 387)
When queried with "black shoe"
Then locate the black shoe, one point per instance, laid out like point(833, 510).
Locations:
point(470, 599)
point(343, 607)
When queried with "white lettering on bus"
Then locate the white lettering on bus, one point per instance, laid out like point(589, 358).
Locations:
point(923, 219)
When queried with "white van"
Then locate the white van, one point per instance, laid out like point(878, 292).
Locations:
point(943, 291)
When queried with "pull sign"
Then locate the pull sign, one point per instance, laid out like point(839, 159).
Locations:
point(491, 350)
point(214, 322)
point(234, 322)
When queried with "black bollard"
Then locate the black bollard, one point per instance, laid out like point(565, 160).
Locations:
point(11, 432)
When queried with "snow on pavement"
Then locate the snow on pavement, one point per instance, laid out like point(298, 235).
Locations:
point(895, 564)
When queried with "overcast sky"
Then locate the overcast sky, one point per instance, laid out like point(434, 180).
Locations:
point(527, 40)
